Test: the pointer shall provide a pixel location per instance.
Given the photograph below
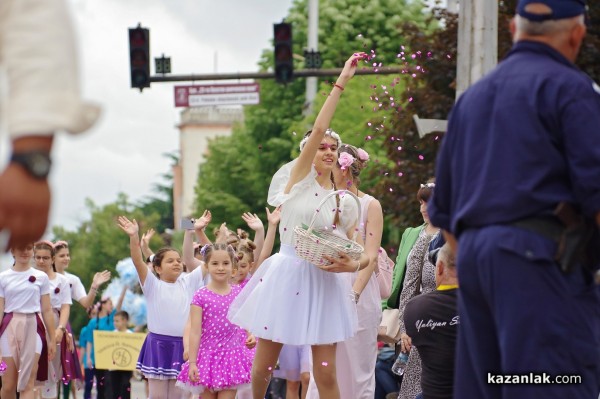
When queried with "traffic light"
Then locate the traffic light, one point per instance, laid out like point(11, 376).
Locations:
point(139, 57)
point(284, 63)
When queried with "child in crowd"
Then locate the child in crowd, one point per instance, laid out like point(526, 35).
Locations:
point(59, 369)
point(26, 345)
point(119, 381)
point(218, 362)
point(88, 371)
point(245, 256)
point(168, 297)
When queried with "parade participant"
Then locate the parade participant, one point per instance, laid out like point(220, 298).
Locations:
point(168, 295)
point(356, 356)
point(289, 300)
point(431, 321)
point(119, 381)
point(245, 255)
point(62, 259)
point(525, 180)
point(26, 345)
point(60, 368)
point(84, 338)
point(294, 368)
point(218, 363)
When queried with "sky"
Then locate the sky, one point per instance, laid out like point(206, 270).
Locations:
point(124, 151)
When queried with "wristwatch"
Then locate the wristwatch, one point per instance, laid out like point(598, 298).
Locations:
point(37, 163)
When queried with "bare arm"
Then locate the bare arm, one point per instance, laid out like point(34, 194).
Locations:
point(89, 357)
point(132, 230)
point(188, 251)
point(65, 310)
point(273, 219)
point(99, 279)
point(374, 231)
point(121, 298)
point(48, 317)
point(145, 243)
point(254, 222)
point(194, 341)
point(200, 225)
point(305, 159)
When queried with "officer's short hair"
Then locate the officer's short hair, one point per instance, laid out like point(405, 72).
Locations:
point(546, 28)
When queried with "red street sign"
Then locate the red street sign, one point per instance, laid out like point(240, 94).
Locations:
point(217, 94)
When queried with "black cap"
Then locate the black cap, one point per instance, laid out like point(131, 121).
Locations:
point(560, 9)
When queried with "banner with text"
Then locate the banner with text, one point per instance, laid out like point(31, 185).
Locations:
point(117, 350)
point(217, 94)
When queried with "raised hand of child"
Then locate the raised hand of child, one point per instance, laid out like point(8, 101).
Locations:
point(274, 217)
point(203, 220)
point(100, 278)
point(253, 221)
point(129, 227)
point(146, 237)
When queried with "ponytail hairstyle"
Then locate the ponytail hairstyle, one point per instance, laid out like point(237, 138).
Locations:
point(208, 250)
point(158, 258)
point(246, 247)
point(355, 161)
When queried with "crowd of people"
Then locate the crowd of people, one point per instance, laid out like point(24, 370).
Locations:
point(226, 315)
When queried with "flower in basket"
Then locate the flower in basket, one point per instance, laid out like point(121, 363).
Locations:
point(345, 160)
point(32, 279)
point(56, 290)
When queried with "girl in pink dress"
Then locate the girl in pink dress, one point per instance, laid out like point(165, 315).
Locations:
point(219, 362)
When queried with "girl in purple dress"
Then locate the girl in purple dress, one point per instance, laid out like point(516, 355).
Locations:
point(219, 362)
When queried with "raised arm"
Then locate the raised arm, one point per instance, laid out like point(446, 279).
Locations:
point(132, 229)
point(121, 298)
point(145, 243)
point(200, 225)
point(99, 279)
point(254, 222)
point(273, 220)
point(188, 251)
point(305, 159)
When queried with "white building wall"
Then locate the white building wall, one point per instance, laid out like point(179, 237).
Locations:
point(197, 127)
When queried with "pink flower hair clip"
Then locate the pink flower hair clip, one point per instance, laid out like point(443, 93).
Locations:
point(345, 160)
point(362, 155)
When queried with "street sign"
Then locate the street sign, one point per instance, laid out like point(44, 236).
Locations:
point(217, 94)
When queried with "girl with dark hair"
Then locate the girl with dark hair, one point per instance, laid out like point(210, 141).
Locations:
point(168, 296)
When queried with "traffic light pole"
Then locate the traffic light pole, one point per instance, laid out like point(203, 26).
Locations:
point(270, 75)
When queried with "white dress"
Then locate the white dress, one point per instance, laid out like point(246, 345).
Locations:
point(289, 300)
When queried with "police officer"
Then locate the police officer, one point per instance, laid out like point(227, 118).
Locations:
point(522, 140)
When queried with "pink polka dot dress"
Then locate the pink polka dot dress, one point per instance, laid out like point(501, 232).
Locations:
point(223, 359)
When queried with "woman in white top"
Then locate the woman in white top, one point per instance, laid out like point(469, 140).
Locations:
point(356, 356)
point(289, 300)
point(25, 346)
point(60, 301)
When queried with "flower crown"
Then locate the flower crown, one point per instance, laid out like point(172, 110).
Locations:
point(329, 133)
point(428, 185)
point(346, 159)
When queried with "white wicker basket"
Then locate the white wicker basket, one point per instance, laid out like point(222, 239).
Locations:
point(311, 244)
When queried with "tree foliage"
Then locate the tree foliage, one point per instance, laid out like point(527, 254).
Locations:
point(237, 172)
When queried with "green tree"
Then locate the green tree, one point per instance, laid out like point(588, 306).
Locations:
point(237, 172)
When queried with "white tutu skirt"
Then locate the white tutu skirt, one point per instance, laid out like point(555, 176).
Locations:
point(291, 301)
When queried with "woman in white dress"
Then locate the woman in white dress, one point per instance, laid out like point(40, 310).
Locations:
point(289, 300)
point(356, 356)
